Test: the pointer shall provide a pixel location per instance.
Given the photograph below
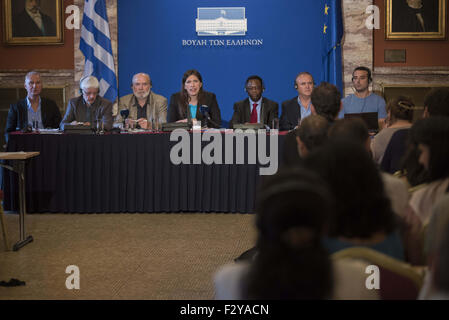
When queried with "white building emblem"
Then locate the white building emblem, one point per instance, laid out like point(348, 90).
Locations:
point(221, 21)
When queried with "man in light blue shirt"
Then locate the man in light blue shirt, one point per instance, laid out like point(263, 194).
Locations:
point(363, 100)
point(299, 107)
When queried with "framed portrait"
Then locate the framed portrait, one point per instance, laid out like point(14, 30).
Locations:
point(33, 22)
point(415, 19)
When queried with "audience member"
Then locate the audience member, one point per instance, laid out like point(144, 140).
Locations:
point(430, 151)
point(355, 130)
point(194, 103)
point(300, 107)
point(432, 141)
point(255, 108)
point(34, 109)
point(326, 101)
point(436, 103)
point(145, 106)
point(363, 216)
point(399, 116)
point(436, 283)
point(89, 109)
point(292, 212)
point(311, 134)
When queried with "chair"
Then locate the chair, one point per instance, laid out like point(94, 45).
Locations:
point(2, 222)
point(398, 280)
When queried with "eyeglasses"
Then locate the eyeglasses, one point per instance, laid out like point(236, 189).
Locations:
point(253, 88)
point(90, 93)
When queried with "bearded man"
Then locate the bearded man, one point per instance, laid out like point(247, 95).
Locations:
point(143, 104)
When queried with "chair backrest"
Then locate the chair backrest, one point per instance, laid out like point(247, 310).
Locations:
point(398, 280)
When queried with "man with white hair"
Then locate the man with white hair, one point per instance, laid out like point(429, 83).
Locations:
point(34, 111)
point(89, 108)
point(143, 104)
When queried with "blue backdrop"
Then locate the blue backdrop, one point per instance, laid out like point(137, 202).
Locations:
point(151, 35)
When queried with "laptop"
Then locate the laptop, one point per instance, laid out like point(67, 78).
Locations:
point(370, 119)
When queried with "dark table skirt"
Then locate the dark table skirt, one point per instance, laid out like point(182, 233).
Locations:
point(125, 173)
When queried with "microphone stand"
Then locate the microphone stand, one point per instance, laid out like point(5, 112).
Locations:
point(206, 114)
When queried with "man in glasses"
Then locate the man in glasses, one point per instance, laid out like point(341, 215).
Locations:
point(255, 108)
point(362, 100)
point(89, 109)
point(34, 111)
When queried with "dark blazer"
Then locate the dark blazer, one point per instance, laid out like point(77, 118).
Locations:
point(24, 26)
point(18, 115)
point(77, 111)
point(291, 114)
point(209, 99)
point(242, 112)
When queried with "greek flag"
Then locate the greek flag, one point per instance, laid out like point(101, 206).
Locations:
point(95, 44)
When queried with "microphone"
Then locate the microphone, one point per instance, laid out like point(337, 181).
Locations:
point(124, 113)
point(205, 112)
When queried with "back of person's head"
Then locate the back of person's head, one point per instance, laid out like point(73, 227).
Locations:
point(362, 207)
point(313, 131)
point(326, 99)
point(433, 132)
point(292, 210)
point(400, 108)
point(353, 129)
point(437, 102)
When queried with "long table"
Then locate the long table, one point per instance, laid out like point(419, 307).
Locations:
point(115, 173)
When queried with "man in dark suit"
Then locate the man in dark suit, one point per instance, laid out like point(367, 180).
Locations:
point(33, 110)
point(254, 109)
point(32, 22)
point(89, 109)
point(299, 107)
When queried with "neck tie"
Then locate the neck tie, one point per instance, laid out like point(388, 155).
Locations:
point(254, 114)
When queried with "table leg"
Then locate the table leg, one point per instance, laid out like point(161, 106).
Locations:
point(22, 203)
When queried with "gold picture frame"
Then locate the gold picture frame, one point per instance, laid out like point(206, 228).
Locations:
point(25, 24)
point(415, 19)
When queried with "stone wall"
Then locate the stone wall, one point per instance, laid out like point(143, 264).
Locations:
point(358, 40)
